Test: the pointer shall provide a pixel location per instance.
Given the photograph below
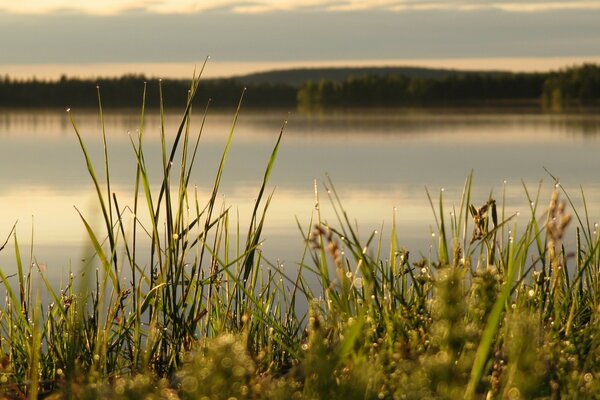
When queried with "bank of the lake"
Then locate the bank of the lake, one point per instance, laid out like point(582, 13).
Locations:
point(184, 272)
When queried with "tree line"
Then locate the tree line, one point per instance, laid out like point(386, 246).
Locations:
point(573, 86)
point(128, 91)
point(395, 90)
point(569, 87)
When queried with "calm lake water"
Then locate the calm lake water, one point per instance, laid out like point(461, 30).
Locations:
point(378, 161)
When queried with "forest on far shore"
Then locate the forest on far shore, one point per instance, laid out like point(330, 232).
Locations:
point(570, 87)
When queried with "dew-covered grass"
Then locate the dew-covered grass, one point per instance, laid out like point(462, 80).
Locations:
point(180, 302)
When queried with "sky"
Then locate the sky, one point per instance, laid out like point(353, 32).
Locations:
point(167, 38)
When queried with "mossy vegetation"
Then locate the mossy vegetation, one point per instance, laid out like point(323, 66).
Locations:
point(181, 303)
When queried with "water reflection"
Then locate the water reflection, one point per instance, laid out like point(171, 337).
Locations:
point(411, 122)
point(378, 160)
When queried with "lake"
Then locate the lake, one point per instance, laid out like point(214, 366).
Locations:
point(378, 160)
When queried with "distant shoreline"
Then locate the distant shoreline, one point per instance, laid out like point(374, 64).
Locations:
point(391, 87)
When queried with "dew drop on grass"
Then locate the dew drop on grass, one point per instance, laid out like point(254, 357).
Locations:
point(514, 393)
point(349, 274)
point(68, 110)
point(505, 182)
point(532, 204)
point(432, 234)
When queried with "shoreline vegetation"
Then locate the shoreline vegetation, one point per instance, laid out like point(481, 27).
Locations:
point(577, 86)
point(500, 309)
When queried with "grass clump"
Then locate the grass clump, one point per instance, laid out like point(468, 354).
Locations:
point(221, 369)
point(179, 306)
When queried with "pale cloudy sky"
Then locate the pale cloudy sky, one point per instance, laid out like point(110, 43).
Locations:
point(60, 33)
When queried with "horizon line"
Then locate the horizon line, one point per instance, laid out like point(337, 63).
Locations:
point(230, 69)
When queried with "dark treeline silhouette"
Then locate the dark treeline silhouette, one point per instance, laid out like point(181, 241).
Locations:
point(128, 90)
point(394, 90)
point(575, 86)
point(572, 86)
point(297, 77)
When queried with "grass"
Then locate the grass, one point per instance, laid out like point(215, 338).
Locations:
point(500, 310)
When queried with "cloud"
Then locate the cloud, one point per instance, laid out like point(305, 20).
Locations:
point(111, 7)
point(296, 36)
point(98, 7)
point(294, 30)
point(548, 6)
